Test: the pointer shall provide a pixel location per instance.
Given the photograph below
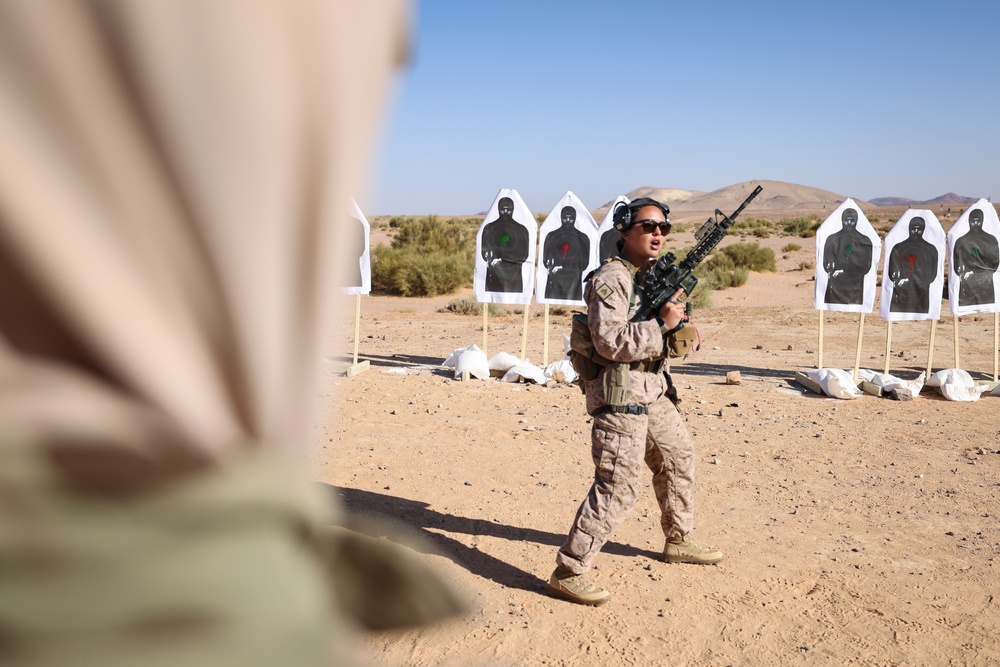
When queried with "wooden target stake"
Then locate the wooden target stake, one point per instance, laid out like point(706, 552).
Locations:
point(996, 345)
point(357, 327)
point(822, 318)
point(857, 353)
point(524, 331)
point(930, 349)
point(486, 310)
point(888, 346)
point(955, 327)
point(545, 345)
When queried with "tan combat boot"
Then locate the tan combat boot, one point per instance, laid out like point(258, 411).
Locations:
point(575, 588)
point(686, 550)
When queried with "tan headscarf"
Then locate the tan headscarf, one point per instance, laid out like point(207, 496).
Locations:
point(173, 178)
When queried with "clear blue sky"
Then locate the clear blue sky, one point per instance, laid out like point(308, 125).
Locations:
point(867, 99)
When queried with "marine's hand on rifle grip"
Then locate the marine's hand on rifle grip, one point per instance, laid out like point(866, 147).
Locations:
point(672, 312)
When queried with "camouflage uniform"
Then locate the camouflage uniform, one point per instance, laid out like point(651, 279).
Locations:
point(620, 440)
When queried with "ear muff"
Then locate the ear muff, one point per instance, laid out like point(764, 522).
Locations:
point(622, 217)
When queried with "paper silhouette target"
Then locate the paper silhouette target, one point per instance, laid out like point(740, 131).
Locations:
point(608, 235)
point(505, 251)
point(975, 257)
point(913, 275)
point(847, 254)
point(358, 272)
point(568, 242)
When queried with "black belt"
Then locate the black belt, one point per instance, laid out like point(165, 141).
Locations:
point(622, 409)
point(648, 366)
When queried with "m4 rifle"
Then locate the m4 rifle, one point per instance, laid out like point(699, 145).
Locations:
point(661, 281)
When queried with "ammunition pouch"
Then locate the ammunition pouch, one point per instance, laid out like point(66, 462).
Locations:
point(615, 383)
point(683, 341)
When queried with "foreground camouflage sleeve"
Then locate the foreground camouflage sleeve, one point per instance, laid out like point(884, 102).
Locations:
point(607, 297)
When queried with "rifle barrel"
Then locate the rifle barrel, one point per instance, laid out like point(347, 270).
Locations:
point(746, 201)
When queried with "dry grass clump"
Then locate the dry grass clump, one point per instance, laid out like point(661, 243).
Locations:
point(804, 227)
point(469, 306)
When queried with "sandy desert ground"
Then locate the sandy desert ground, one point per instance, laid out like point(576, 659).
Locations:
point(856, 531)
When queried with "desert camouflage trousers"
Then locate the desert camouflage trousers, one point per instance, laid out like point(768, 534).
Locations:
point(620, 443)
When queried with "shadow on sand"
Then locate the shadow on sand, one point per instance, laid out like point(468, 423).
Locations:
point(429, 525)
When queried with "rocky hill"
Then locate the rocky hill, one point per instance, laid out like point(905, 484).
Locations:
point(777, 196)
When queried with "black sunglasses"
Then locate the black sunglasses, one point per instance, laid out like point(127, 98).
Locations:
point(649, 225)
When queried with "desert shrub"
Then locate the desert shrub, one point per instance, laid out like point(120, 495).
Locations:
point(761, 233)
point(701, 299)
point(410, 273)
point(804, 227)
point(724, 275)
point(750, 256)
point(791, 247)
point(428, 256)
point(806, 266)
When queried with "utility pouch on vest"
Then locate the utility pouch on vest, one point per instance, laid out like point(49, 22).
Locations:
point(615, 383)
point(683, 341)
point(582, 352)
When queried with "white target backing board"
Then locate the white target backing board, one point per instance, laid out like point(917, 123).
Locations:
point(913, 272)
point(567, 244)
point(358, 272)
point(973, 250)
point(847, 254)
point(505, 251)
point(607, 245)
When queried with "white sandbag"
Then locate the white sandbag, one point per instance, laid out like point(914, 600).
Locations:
point(835, 382)
point(562, 371)
point(956, 385)
point(899, 388)
point(470, 359)
point(503, 362)
point(525, 371)
point(453, 357)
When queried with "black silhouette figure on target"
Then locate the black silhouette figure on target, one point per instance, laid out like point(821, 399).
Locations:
point(976, 257)
point(504, 247)
point(356, 234)
point(912, 268)
point(608, 245)
point(847, 258)
point(566, 255)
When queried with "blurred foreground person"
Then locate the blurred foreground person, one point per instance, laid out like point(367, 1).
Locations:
point(172, 179)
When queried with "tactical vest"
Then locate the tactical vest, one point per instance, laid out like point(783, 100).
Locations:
point(588, 363)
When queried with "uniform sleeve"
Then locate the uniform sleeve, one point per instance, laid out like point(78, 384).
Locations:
point(615, 338)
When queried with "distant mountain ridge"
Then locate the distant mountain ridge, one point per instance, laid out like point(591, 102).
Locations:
point(948, 199)
point(777, 195)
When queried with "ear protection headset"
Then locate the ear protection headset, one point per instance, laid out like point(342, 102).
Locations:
point(624, 213)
